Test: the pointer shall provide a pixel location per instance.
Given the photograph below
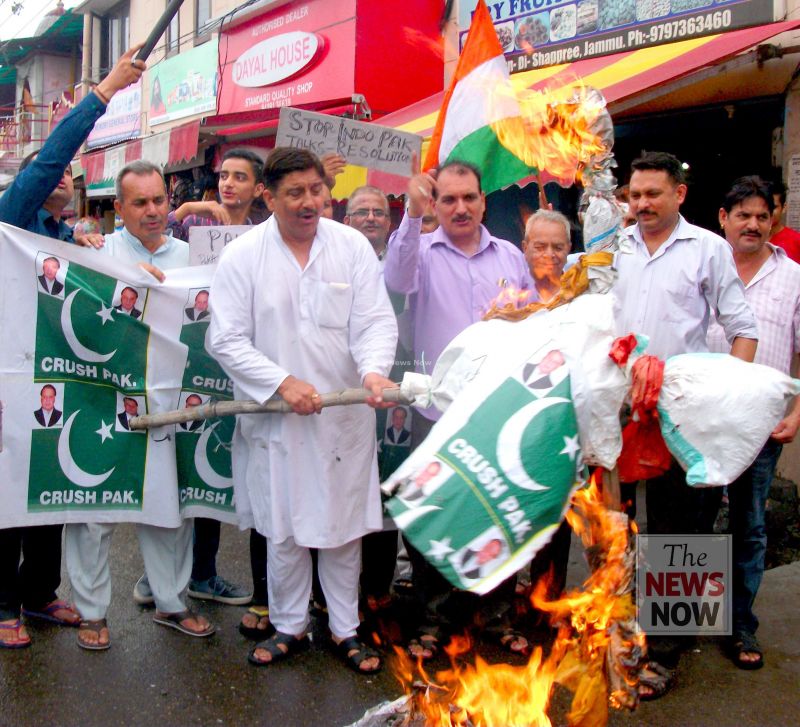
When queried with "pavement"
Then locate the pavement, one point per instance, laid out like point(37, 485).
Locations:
point(156, 676)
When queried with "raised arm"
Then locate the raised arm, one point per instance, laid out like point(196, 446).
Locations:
point(33, 185)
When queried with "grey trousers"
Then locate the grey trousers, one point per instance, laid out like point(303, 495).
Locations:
point(167, 555)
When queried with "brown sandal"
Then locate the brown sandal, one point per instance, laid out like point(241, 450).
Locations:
point(95, 627)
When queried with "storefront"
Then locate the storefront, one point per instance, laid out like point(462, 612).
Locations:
point(715, 100)
point(348, 57)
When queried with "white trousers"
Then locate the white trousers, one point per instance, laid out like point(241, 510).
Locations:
point(289, 585)
point(167, 555)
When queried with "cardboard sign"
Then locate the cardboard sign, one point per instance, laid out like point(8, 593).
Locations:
point(367, 145)
point(206, 243)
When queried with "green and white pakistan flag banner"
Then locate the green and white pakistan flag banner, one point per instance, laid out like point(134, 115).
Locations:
point(491, 483)
point(89, 343)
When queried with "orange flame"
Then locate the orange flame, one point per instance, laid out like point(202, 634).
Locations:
point(553, 130)
point(586, 656)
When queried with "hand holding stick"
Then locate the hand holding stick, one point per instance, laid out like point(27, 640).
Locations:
point(273, 406)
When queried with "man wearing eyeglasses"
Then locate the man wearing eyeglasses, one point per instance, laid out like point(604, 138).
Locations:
point(368, 212)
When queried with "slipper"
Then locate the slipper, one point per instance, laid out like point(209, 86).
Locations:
point(293, 644)
point(49, 611)
point(360, 653)
point(175, 621)
point(746, 643)
point(423, 641)
point(509, 638)
point(16, 641)
point(659, 681)
point(95, 627)
point(254, 632)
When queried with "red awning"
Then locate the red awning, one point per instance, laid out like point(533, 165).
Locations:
point(169, 147)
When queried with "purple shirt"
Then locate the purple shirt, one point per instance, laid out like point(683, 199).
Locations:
point(448, 291)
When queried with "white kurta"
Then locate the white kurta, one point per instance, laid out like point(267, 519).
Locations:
point(313, 478)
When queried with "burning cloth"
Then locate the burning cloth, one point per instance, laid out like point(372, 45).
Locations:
point(490, 485)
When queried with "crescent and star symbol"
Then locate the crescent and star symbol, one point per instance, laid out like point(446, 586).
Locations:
point(81, 351)
point(439, 549)
point(106, 314)
point(203, 466)
point(509, 442)
point(104, 431)
point(73, 472)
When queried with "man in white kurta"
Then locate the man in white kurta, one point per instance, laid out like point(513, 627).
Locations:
point(300, 308)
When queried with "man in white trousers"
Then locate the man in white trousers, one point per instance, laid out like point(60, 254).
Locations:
point(300, 308)
point(142, 204)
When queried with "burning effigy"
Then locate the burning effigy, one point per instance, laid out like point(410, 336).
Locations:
point(530, 397)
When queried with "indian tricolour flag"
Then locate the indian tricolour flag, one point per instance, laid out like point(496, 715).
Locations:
point(478, 103)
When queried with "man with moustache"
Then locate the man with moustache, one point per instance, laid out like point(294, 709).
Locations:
point(30, 557)
point(368, 212)
point(772, 289)
point(675, 275)
point(300, 307)
point(451, 276)
point(167, 552)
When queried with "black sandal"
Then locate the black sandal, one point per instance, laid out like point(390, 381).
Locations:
point(658, 681)
point(746, 643)
point(423, 641)
point(361, 652)
point(256, 632)
point(272, 646)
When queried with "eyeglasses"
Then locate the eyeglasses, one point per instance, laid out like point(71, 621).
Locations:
point(378, 214)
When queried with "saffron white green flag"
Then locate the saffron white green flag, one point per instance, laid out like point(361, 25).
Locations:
point(490, 485)
point(87, 342)
point(477, 107)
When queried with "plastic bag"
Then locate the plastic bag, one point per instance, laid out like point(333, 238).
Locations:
point(717, 412)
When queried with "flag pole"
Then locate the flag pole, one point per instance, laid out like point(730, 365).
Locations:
point(344, 397)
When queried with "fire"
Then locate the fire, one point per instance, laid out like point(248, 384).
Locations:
point(553, 131)
point(596, 654)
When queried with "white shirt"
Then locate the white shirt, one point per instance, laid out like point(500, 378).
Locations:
point(668, 296)
point(774, 296)
point(312, 478)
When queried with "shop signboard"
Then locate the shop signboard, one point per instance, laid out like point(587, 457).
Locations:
point(366, 145)
point(184, 85)
point(538, 33)
point(300, 53)
point(122, 119)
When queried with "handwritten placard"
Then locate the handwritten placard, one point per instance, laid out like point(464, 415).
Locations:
point(367, 145)
point(206, 243)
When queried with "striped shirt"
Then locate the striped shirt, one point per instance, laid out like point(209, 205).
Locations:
point(774, 296)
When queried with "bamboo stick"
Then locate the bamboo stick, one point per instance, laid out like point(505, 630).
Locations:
point(275, 405)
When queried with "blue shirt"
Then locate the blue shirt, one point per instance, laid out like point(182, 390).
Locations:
point(173, 253)
point(21, 205)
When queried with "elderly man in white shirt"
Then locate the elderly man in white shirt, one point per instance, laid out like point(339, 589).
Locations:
point(676, 275)
point(300, 307)
point(772, 288)
point(167, 552)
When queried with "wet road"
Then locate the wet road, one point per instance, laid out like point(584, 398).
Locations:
point(155, 676)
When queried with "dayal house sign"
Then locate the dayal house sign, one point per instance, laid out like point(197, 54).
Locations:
point(276, 59)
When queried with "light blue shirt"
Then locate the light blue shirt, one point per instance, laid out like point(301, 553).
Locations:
point(122, 245)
